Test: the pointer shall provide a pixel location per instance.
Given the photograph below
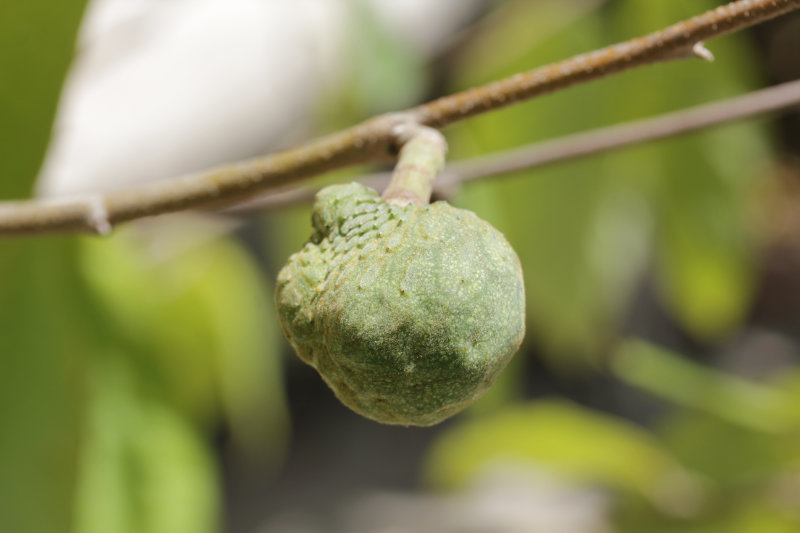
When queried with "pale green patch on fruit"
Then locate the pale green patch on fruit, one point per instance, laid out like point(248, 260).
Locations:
point(409, 313)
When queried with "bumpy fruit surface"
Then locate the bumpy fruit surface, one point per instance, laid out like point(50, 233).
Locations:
point(409, 313)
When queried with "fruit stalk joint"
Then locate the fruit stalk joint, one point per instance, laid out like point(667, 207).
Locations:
point(420, 160)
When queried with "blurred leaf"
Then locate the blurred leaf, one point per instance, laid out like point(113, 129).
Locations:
point(730, 454)
point(742, 436)
point(762, 518)
point(387, 74)
point(43, 312)
point(505, 38)
point(202, 321)
point(556, 436)
point(144, 470)
point(36, 43)
point(48, 330)
point(702, 183)
point(788, 381)
point(749, 514)
point(239, 301)
point(383, 73)
point(754, 474)
point(675, 378)
point(286, 231)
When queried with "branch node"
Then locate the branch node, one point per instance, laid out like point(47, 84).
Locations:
point(97, 214)
point(90, 207)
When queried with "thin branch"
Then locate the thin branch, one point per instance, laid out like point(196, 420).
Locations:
point(370, 141)
point(756, 103)
point(375, 140)
point(761, 102)
point(682, 40)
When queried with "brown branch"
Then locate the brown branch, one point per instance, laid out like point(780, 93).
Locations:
point(682, 40)
point(761, 102)
point(367, 142)
point(756, 103)
point(375, 139)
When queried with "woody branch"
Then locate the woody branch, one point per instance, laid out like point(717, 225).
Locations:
point(374, 140)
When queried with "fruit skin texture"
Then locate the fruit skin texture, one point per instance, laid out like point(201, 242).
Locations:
point(409, 313)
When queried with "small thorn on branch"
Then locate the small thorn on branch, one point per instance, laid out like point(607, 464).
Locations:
point(93, 213)
point(97, 214)
point(699, 50)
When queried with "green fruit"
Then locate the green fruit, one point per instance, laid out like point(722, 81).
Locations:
point(409, 313)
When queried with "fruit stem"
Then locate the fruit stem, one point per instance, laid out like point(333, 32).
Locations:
point(421, 158)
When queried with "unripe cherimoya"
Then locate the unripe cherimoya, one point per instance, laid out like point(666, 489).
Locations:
point(410, 312)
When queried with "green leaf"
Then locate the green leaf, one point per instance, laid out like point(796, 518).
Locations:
point(579, 444)
point(736, 432)
point(43, 311)
point(677, 379)
point(143, 468)
point(762, 517)
point(733, 456)
point(203, 324)
point(382, 72)
point(387, 74)
point(744, 512)
point(36, 43)
point(47, 334)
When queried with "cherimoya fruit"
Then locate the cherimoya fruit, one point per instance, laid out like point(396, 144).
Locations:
point(409, 313)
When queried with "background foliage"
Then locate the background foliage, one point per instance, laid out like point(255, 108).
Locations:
point(142, 379)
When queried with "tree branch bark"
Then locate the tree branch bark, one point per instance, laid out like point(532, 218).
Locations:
point(756, 103)
point(375, 139)
point(682, 40)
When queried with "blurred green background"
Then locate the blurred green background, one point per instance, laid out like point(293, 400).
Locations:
point(147, 388)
